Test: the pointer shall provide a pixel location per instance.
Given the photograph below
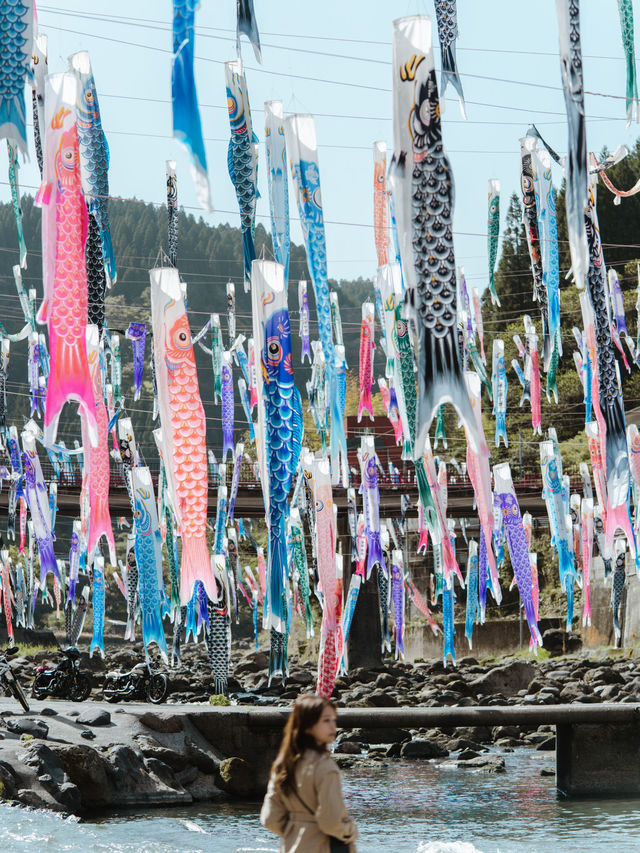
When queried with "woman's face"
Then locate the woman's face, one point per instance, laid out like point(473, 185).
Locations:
point(324, 731)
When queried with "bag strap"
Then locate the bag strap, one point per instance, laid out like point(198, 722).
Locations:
point(300, 800)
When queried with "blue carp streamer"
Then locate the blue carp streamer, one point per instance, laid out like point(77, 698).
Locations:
point(186, 112)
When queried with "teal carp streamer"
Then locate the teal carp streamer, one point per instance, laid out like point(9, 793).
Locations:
point(625, 9)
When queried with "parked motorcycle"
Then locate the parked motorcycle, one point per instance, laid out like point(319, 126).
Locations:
point(8, 680)
point(139, 683)
point(64, 680)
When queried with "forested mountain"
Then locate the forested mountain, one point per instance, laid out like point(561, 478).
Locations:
point(208, 257)
point(619, 228)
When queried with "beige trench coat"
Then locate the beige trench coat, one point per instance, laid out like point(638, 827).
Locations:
point(306, 830)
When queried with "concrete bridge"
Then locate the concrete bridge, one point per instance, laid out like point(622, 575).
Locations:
point(597, 746)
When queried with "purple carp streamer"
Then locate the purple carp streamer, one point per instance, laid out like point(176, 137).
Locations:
point(422, 186)
point(447, 18)
point(187, 126)
point(625, 9)
point(568, 12)
point(137, 334)
point(517, 542)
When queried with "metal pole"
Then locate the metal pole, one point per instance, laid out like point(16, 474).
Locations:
point(521, 622)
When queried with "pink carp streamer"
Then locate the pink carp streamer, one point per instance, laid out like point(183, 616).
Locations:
point(97, 459)
point(480, 476)
point(536, 404)
point(586, 512)
point(64, 234)
point(390, 403)
point(184, 429)
point(367, 347)
point(380, 203)
point(331, 632)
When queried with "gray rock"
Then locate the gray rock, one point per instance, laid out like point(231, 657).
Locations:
point(468, 754)
point(374, 735)
point(90, 771)
point(95, 717)
point(30, 798)
point(423, 748)
point(507, 679)
point(69, 796)
point(349, 748)
point(163, 723)
point(48, 712)
point(236, 776)
point(382, 699)
point(87, 734)
point(44, 761)
point(205, 763)
point(187, 776)
point(505, 731)
point(204, 789)
point(491, 762)
point(175, 760)
point(162, 771)
point(27, 726)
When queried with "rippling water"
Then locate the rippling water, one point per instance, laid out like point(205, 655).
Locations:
point(404, 807)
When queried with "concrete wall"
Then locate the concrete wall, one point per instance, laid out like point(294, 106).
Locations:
point(495, 637)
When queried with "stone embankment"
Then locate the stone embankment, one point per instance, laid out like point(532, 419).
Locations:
point(91, 757)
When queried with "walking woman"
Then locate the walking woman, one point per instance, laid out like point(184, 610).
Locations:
point(304, 804)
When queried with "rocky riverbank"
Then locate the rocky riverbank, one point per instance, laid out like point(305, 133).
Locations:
point(89, 757)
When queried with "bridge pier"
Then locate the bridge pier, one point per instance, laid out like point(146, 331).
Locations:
point(598, 760)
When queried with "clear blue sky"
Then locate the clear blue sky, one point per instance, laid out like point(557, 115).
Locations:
point(343, 43)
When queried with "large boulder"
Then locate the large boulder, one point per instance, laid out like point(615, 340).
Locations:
point(236, 776)
point(95, 717)
point(507, 679)
point(27, 726)
point(44, 761)
point(90, 771)
point(423, 748)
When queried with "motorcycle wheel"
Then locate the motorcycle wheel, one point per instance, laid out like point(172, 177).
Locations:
point(157, 688)
point(18, 692)
point(81, 689)
point(39, 689)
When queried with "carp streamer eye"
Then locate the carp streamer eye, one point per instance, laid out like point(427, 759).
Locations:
point(274, 351)
point(182, 339)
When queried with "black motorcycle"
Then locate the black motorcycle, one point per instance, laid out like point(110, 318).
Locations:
point(139, 683)
point(64, 680)
point(8, 680)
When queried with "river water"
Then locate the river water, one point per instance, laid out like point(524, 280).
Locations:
point(404, 807)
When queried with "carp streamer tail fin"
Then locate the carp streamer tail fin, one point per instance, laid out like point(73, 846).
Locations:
point(48, 562)
point(153, 632)
point(440, 380)
point(69, 379)
point(195, 565)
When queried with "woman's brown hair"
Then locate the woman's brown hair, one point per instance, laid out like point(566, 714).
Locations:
point(307, 710)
